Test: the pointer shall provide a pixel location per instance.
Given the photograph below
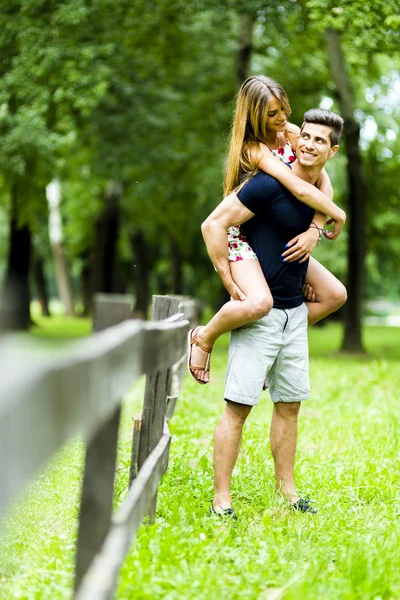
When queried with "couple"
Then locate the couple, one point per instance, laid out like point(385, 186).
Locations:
point(268, 271)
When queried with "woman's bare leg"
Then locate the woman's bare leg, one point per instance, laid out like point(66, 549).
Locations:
point(249, 277)
point(330, 293)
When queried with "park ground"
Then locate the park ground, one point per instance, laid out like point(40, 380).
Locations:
point(347, 462)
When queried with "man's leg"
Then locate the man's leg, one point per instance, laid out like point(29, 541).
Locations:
point(227, 439)
point(283, 439)
point(252, 351)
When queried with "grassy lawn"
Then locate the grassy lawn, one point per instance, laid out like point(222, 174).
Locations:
point(347, 461)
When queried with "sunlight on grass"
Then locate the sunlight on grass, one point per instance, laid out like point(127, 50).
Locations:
point(58, 327)
point(61, 328)
point(348, 462)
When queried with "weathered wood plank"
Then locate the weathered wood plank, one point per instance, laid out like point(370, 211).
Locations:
point(111, 309)
point(91, 542)
point(156, 390)
point(44, 404)
point(97, 494)
point(137, 425)
point(171, 406)
point(177, 373)
point(192, 311)
point(100, 581)
point(158, 383)
point(100, 460)
point(191, 308)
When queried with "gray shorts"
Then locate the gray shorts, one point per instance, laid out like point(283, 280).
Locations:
point(275, 348)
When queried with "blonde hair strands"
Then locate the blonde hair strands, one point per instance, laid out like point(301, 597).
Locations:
point(249, 127)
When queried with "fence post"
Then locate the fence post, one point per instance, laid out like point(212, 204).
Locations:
point(191, 310)
point(100, 462)
point(137, 425)
point(155, 396)
point(111, 309)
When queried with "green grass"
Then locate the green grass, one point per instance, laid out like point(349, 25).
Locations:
point(348, 461)
point(60, 328)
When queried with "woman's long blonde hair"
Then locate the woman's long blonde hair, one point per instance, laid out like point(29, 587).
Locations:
point(249, 127)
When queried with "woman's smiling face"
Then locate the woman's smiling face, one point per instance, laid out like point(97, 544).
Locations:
point(276, 115)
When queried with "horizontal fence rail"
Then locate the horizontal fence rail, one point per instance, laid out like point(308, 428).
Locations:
point(45, 403)
point(48, 404)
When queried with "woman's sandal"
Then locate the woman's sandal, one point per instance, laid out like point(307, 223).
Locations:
point(192, 339)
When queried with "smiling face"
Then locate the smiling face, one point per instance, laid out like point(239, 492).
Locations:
point(276, 116)
point(314, 145)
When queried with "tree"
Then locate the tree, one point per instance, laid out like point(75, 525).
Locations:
point(53, 193)
point(370, 27)
point(56, 44)
point(357, 196)
point(352, 33)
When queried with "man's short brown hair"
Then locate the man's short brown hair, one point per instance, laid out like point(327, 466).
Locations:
point(320, 116)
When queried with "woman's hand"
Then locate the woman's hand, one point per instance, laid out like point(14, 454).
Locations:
point(301, 246)
point(337, 227)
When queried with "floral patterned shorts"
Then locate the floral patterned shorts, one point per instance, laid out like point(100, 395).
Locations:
point(238, 247)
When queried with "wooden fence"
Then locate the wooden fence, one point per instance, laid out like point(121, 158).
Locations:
point(45, 403)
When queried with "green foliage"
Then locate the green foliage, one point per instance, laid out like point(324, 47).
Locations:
point(367, 27)
point(297, 41)
point(143, 92)
point(56, 45)
point(54, 73)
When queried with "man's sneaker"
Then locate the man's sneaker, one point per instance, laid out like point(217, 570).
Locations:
point(223, 512)
point(304, 505)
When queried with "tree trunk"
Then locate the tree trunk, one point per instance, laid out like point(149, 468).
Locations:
point(62, 277)
point(15, 301)
point(176, 260)
point(245, 50)
point(86, 289)
point(357, 192)
point(41, 284)
point(141, 273)
point(53, 193)
point(106, 237)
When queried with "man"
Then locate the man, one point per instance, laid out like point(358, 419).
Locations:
point(277, 344)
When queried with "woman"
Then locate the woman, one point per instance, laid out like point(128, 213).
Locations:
point(263, 139)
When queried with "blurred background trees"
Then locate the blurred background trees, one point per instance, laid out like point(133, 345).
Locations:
point(129, 105)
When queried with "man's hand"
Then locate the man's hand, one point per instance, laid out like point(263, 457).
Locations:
point(230, 212)
point(337, 227)
point(308, 293)
point(233, 290)
point(301, 246)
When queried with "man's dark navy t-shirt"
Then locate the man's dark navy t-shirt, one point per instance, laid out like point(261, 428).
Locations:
point(279, 217)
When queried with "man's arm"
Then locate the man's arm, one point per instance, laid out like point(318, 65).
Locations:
point(301, 247)
point(302, 190)
point(324, 184)
point(229, 212)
